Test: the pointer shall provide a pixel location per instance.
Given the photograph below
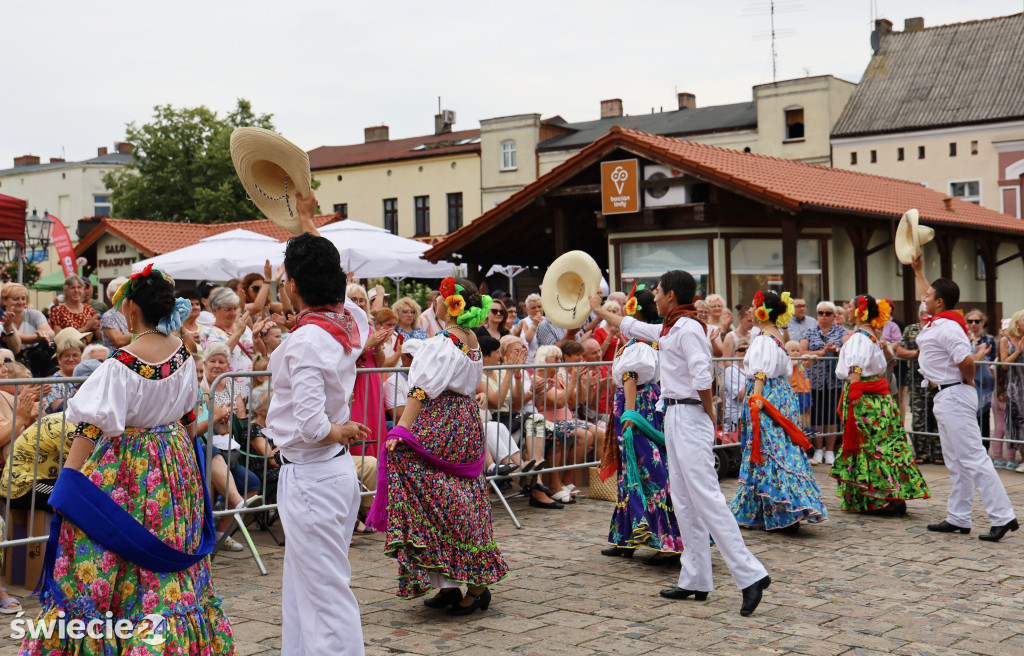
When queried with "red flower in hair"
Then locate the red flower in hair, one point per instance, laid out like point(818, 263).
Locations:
point(142, 274)
point(447, 287)
point(758, 299)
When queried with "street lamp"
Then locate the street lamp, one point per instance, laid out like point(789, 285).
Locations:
point(37, 237)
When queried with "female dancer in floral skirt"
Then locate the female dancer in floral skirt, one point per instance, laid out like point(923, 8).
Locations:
point(874, 468)
point(777, 488)
point(134, 526)
point(431, 498)
point(643, 513)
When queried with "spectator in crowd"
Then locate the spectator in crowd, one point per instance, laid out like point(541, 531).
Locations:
point(114, 328)
point(926, 447)
point(32, 333)
point(396, 387)
point(492, 395)
point(848, 316)
point(386, 319)
point(256, 290)
point(620, 299)
point(357, 293)
point(510, 314)
point(726, 322)
point(801, 383)
point(408, 312)
point(229, 328)
point(800, 322)
point(608, 337)
point(985, 350)
point(377, 298)
point(190, 327)
point(75, 311)
point(89, 296)
point(11, 423)
point(430, 320)
point(70, 344)
point(1010, 348)
point(745, 328)
point(1002, 455)
point(716, 306)
point(494, 325)
point(367, 403)
point(714, 335)
point(734, 387)
point(205, 288)
point(272, 337)
point(600, 390)
point(266, 467)
point(527, 326)
point(824, 342)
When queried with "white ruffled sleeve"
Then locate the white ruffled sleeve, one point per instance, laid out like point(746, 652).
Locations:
point(858, 351)
point(765, 356)
point(435, 365)
point(101, 400)
point(639, 359)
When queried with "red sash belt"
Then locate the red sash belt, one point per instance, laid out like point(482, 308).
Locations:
point(852, 437)
point(791, 429)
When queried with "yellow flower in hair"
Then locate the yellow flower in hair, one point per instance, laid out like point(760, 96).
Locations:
point(884, 314)
point(783, 319)
point(631, 306)
point(761, 312)
point(456, 304)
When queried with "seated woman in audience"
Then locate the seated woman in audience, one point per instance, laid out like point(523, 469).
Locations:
point(230, 327)
point(493, 398)
point(34, 334)
point(511, 318)
point(75, 311)
point(113, 327)
point(609, 337)
point(408, 312)
point(714, 335)
point(494, 324)
point(69, 344)
point(266, 467)
point(386, 319)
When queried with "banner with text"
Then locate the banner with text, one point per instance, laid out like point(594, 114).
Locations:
point(620, 187)
point(65, 251)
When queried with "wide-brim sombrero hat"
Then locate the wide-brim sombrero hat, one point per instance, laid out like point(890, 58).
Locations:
point(569, 283)
point(910, 237)
point(271, 169)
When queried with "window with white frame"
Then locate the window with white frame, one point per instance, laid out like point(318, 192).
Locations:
point(969, 190)
point(794, 123)
point(101, 205)
point(508, 155)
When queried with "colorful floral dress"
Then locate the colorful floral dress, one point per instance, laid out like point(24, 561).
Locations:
point(781, 490)
point(647, 521)
point(440, 523)
point(884, 469)
point(146, 463)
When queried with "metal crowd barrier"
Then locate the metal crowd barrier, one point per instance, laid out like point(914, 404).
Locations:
point(519, 429)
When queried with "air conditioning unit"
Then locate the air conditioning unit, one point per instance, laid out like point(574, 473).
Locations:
point(669, 194)
point(448, 116)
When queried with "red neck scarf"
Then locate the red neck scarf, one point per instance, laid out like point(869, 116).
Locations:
point(952, 315)
point(335, 319)
point(852, 437)
point(689, 311)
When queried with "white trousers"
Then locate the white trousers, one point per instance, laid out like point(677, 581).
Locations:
point(499, 444)
point(700, 505)
point(318, 504)
point(969, 465)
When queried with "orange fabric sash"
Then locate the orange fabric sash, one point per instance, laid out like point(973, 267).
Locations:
point(788, 426)
point(852, 437)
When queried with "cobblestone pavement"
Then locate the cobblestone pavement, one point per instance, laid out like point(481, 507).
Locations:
point(856, 585)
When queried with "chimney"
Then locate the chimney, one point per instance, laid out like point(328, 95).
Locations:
point(441, 126)
point(687, 101)
point(56, 160)
point(883, 27)
point(611, 108)
point(123, 147)
point(948, 202)
point(913, 24)
point(376, 133)
point(101, 151)
point(26, 160)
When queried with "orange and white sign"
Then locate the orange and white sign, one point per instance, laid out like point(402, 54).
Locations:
point(620, 186)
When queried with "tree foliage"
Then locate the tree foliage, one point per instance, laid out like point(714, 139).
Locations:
point(182, 169)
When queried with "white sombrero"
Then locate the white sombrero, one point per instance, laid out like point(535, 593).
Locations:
point(910, 237)
point(569, 283)
point(271, 169)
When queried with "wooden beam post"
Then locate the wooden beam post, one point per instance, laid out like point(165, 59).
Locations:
point(946, 243)
point(859, 238)
point(911, 303)
point(561, 236)
point(989, 254)
point(790, 235)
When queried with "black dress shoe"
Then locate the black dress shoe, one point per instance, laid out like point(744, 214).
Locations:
point(946, 527)
point(549, 505)
point(682, 593)
point(667, 560)
point(481, 601)
point(752, 596)
point(621, 552)
point(445, 598)
point(996, 533)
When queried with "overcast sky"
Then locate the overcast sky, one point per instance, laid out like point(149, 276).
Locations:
point(75, 73)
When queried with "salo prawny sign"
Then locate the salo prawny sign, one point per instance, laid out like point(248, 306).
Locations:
point(620, 186)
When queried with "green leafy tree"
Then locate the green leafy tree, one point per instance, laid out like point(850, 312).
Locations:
point(183, 169)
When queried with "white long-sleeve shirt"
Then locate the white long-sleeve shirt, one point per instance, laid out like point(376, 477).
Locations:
point(942, 345)
point(313, 383)
point(684, 353)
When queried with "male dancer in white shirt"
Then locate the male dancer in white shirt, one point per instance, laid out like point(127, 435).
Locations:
point(946, 361)
point(314, 373)
point(700, 507)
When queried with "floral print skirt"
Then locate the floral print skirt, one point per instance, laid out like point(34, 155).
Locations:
point(152, 474)
point(440, 522)
point(634, 522)
point(884, 470)
point(780, 491)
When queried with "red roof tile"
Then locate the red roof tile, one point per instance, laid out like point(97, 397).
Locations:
point(327, 157)
point(158, 237)
point(781, 182)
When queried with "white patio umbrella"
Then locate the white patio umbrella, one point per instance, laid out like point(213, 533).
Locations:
point(231, 254)
point(372, 252)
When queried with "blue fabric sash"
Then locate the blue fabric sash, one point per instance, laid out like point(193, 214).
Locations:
point(632, 480)
point(76, 498)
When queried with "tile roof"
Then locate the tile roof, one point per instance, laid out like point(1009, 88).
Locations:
point(701, 120)
point(940, 76)
point(783, 183)
point(434, 145)
point(110, 159)
point(158, 237)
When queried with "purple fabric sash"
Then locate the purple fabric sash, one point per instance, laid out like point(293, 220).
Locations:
point(378, 516)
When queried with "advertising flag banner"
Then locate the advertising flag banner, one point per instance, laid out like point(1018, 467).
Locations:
point(65, 251)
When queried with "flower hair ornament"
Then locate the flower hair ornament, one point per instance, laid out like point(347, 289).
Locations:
point(884, 314)
point(173, 321)
point(861, 310)
point(455, 302)
point(761, 312)
point(632, 305)
point(783, 319)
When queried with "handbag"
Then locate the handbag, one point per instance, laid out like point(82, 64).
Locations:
point(606, 490)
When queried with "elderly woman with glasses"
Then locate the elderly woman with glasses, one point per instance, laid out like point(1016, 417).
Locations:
point(824, 342)
point(230, 327)
point(75, 311)
point(408, 312)
point(494, 324)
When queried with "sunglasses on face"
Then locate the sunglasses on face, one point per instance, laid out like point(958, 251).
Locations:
point(825, 314)
point(255, 288)
point(742, 349)
point(974, 321)
point(493, 311)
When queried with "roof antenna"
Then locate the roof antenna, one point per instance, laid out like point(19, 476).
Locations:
point(439, 104)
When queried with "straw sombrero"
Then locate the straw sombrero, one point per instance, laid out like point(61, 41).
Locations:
point(271, 169)
point(910, 237)
point(569, 283)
